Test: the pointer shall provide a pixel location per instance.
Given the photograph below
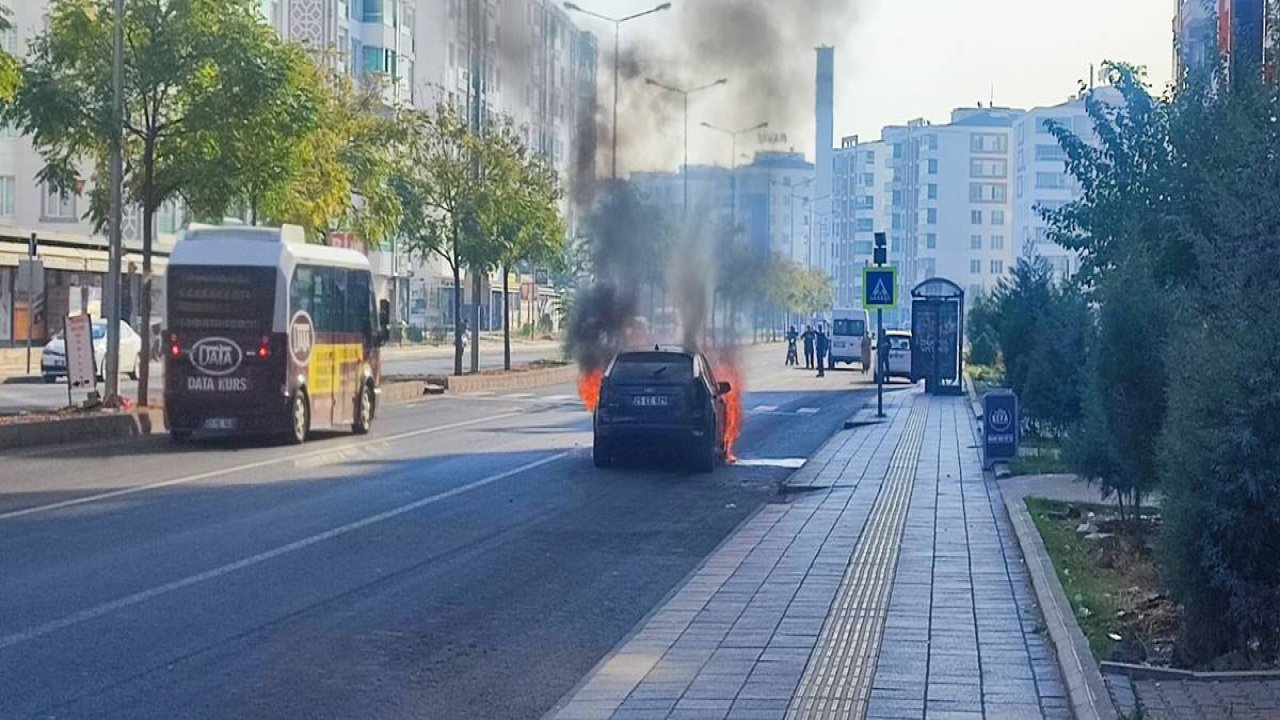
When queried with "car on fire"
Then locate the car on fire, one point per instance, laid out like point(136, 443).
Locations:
point(665, 397)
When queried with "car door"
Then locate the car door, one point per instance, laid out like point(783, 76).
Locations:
point(713, 391)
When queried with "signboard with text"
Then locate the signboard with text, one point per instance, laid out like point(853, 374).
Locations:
point(1000, 426)
point(82, 372)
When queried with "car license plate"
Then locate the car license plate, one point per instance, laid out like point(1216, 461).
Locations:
point(220, 424)
point(55, 362)
point(649, 401)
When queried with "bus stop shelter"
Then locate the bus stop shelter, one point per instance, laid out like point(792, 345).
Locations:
point(937, 335)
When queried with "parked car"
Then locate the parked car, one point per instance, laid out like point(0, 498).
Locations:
point(53, 358)
point(899, 355)
point(658, 399)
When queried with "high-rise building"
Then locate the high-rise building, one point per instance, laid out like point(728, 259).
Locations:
point(1205, 30)
point(824, 121)
point(860, 207)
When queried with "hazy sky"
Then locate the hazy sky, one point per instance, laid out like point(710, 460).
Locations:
point(897, 60)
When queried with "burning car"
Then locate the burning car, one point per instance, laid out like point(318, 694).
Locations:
point(661, 396)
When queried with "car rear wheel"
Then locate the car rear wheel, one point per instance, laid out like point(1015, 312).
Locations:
point(50, 379)
point(133, 373)
point(601, 453)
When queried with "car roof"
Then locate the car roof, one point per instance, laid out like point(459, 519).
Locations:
point(656, 355)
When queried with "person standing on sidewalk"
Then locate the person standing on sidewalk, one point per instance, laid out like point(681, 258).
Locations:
point(808, 347)
point(866, 352)
point(821, 345)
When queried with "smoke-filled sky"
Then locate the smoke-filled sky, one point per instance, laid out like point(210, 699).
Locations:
point(895, 60)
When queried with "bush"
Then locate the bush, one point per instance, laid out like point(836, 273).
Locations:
point(1054, 368)
point(982, 350)
point(1021, 301)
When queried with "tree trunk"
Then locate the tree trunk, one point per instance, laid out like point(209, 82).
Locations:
point(144, 306)
point(506, 318)
point(475, 322)
point(457, 317)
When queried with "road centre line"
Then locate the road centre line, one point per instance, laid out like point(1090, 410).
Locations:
point(250, 466)
point(32, 633)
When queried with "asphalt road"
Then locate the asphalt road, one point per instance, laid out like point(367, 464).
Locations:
point(466, 560)
point(27, 396)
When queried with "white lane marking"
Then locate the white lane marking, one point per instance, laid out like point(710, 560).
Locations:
point(764, 408)
point(807, 411)
point(789, 463)
point(562, 398)
point(522, 396)
point(248, 466)
point(97, 611)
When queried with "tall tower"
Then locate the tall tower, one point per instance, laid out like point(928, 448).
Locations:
point(824, 116)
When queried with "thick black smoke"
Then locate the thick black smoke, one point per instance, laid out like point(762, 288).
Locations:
point(602, 314)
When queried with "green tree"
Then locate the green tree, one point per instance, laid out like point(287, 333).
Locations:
point(1021, 302)
point(983, 330)
point(10, 69)
point(1054, 382)
point(197, 71)
point(1221, 441)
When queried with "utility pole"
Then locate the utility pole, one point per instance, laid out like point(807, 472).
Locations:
point(478, 59)
point(111, 286)
point(685, 93)
point(733, 162)
point(881, 257)
point(617, 33)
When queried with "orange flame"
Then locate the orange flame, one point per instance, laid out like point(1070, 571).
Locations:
point(589, 388)
point(733, 408)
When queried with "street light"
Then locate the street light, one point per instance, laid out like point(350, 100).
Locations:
point(733, 159)
point(617, 31)
point(686, 93)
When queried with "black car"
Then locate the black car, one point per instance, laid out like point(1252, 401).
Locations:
point(661, 398)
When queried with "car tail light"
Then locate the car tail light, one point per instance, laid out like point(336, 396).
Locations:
point(174, 348)
point(264, 347)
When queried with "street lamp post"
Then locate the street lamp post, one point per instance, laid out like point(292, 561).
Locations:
point(685, 93)
point(617, 32)
point(733, 161)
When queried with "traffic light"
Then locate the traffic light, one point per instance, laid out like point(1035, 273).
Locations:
point(881, 256)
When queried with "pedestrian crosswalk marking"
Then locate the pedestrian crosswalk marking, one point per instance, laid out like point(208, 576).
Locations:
point(880, 294)
point(522, 395)
point(765, 408)
point(807, 411)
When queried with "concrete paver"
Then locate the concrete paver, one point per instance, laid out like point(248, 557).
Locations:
point(891, 585)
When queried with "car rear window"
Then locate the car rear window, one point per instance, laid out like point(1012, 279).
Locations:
point(899, 343)
point(651, 367)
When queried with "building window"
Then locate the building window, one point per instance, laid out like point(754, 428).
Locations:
point(975, 267)
point(897, 221)
point(980, 168)
point(866, 202)
point(975, 242)
point(1051, 181)
point(896, 245)
point(997, 217)
point(988, 143)
point(975, 217)
point(931, 241)
point(931, 216)
point(933, 166)
point(1050, 152)
point(862, 247)
point(865, 225)
point(8, 188)
point(58, 205)
point(867, 179)
point(933, 191)
point(997, 242)
point(988, 192)
point(997, 267)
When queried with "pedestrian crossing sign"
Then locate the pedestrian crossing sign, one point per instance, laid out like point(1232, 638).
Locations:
point(879, 288)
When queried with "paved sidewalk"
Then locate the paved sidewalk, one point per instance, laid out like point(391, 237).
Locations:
point(890, 586)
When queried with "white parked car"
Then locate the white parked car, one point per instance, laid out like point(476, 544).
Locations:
point(53, 359)
point(899, 355)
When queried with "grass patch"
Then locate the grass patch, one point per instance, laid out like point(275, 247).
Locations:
point(1039, 456)
point(1112, 584)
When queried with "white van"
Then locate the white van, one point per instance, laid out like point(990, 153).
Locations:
point(848, 328)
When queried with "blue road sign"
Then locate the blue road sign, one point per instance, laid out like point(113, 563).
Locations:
point(879, 288)
point(1000, 426)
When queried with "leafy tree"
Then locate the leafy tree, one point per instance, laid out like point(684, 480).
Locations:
point(10, 69)
point(197, 72)
point(982, 328)
point(1221, 442)
point(1021, 301)
point(1053, 385)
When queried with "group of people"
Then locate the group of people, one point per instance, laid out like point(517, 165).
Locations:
point(817, 347)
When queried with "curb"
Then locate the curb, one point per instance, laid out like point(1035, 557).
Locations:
point(1146, 672)
point(142, 422)
point(1086, 689)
